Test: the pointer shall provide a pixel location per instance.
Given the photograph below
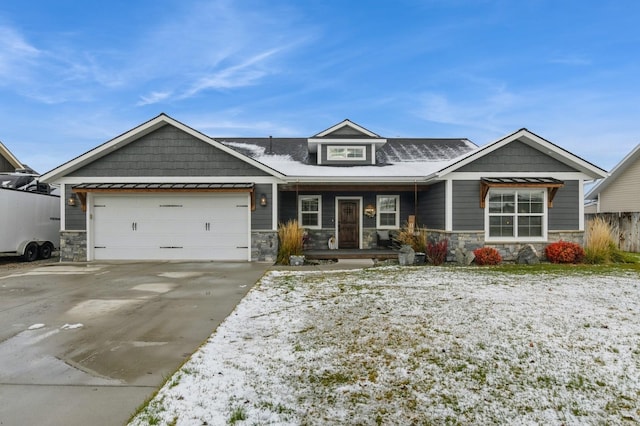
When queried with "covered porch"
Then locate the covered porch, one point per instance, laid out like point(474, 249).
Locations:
point(378, 254)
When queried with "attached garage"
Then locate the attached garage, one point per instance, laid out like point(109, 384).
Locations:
point(164, 191)
point(154, 225)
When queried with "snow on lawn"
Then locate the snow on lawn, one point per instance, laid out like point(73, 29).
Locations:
point(417, 345)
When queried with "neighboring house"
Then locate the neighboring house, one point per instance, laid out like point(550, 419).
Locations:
point(8, 162)
point(618, 192)
point(616, 198)
point(166, 191)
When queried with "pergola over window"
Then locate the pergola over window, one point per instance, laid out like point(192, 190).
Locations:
point(550, 184)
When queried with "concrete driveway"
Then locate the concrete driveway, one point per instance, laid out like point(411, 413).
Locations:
point(87, 344)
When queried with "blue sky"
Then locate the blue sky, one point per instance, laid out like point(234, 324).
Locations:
point(76, 74)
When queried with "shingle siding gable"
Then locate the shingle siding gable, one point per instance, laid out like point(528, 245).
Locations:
point(5, 165)
point(516, 157)
point(168, 151)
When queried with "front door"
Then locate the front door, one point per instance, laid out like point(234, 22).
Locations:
point(348, 224)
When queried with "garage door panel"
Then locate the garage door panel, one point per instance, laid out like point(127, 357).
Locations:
point(166, 227)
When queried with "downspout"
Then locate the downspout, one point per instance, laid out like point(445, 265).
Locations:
point(415, 200)
point(297, 202)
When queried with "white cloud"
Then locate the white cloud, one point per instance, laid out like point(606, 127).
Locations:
point(571, 59)
point(16, 55)
point(242, 74)
point(153, 97)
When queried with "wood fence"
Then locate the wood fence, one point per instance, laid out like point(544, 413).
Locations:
point(625, 225)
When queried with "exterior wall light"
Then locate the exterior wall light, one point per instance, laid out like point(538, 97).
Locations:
point(370, 210)
point(71, 201)
point(263, 200)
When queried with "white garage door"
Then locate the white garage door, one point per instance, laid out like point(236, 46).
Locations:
point(171, 227)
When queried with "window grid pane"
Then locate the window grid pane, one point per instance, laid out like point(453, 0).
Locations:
point(387, 204)
point(387, 219)
point(501, 226)
point(530, 226)
point(310, 205)
point(309, 219)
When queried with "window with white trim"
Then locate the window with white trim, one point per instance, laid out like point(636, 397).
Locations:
point(346, 153)
point(516, 214)
point(310, 211)
point(388, 211)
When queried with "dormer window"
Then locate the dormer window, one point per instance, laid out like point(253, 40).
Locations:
point(345, 144)
point(346, 153)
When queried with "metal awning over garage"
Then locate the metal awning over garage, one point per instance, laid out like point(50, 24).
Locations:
point(551, 184)
point(82, 189)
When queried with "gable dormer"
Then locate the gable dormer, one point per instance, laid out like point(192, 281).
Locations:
point(345, 144)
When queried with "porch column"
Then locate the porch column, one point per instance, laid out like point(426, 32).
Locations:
point(448, 206)
point(274, 206)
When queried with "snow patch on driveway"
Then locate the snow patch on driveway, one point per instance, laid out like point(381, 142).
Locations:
point(36, 326)
point(180, 275)
point(93, 307)
point(155, 287)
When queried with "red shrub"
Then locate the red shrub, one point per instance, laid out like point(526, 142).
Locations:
point(564, 252)
point(437, 253)
point(487, 256)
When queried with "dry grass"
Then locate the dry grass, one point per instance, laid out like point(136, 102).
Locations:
point(600, 244)
point(416, 238)
point(290, 241)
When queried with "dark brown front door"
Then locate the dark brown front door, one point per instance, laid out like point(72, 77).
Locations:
point(348, 224)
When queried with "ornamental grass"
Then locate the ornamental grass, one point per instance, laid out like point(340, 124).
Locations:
point(600, 247)
point(290, 241)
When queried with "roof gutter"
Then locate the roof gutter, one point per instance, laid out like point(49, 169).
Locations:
point(355, 179)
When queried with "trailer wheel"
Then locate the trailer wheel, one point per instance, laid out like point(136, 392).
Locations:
point(45, 250)
point(31, 252)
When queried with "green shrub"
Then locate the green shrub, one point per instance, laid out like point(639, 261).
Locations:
point(487, 256)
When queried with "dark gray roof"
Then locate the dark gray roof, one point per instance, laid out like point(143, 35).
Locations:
point(522, 180)
point(396, 150)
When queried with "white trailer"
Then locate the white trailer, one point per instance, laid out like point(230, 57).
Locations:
point(29, 223)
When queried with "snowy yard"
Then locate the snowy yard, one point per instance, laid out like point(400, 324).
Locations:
point(429, 345)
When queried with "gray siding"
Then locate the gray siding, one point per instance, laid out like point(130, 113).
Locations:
point(431, 207)
point(5, 165)
point(467, 214)
point(75, 218)
point(323, 153)
point(516, 157)
point(261, 216)
point(565, 213)
point(346, 132)
point(287, 206)
point(168, 151)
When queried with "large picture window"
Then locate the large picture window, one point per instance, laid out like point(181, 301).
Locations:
point(310, 211)
point(388, 211)
point(516, 214)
